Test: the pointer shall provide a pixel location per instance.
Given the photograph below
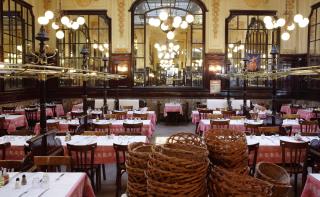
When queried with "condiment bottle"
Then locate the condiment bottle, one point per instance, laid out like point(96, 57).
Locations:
point(24, 180)
point(17, 184)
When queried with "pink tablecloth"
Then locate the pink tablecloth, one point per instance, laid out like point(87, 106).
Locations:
point(285, 109)
point(312, 186)
point(59, 110)
point(151, 116)
point(306, 114)
point(77, 107)
point(172, 107)
point(14, 121)
point(83, 187)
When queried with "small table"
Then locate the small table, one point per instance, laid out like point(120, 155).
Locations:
point(70, 184)
point(306, 114)
point(172, 107)
point(14, 121)
point(312, 186)
point(196, 118)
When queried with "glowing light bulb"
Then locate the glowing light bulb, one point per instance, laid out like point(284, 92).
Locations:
point(43, 20)
point(49, 14)
point(285, 36)
point(60, 34)
point(54, 26)
point(170, 35)
point(163, 15)
point(281, 22)
point(81, 20)
point(297, 18)
point(75, 25)
point(184, 25)
point(267, 19)
point(291, 27)
point(65, 20)
point(189, 18)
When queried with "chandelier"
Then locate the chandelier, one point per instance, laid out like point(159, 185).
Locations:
point(287, 22)
point(168, 23)
point(167, 53)
point(59, 21)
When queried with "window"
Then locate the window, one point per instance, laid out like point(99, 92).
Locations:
point(163, 60)
point(314, 35)
point(247, 37)
point(95, 34)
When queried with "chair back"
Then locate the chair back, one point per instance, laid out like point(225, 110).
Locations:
point(127, 107)
point(53, 126)
point(94, 133)
point(110, 116)
point(3, 148)
point(121, 115)
point(237, 117)
point(52, 163)
point(290, 116)
point(53, 108)
point(219, 124)
point(140, 116)
point(201, 106)
point(228, 114)
point(271, 130)
point(120, 151)
point(294, 109)
point(3, 131)
point(8, 110)
point(308, 126)
point(102, 128)
point(293, 155)
point(133, 128)
point(252, 128)
point(214, 116)
point(31, 116)
point(12, 165)
point(72, 128)
point(203, 113)
point(253, 154)
point(76, 114)
point(82, 156)
point(254, 115)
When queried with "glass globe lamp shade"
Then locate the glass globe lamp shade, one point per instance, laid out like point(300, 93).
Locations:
point(170, 35)
point(267, 19)
point(304, 22)
point(150, 21)
point(164, 27)
point(156, 22)
point(69, 25)
point(163, 15)
point(297, 18)
point(81, 20)
point(42, 20)
point(177, 20)
point(171, 44)
point(49, 14)
point(291, 27)
point(189, 18)
point(281, 22)
point(60, 34)
point(54, 26)
point(65, 20)
point(106, 45)
point(75, 25)
point(163, 47)
point(184, 25)
point(285, 36)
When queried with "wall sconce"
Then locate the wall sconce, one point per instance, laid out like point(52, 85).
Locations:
point(122, 68)
point(215, 68)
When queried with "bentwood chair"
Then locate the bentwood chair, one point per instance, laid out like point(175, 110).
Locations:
point(121, 115)
point(133, 129)
point(228, 114)
point(3, 131)
point(52, 163)
point(237, 117)
point(53, 126)
point(140, 116)
point(3, 148)
point(252, 128)
point(120, 151)
point(111, 116)
point(253, 154)
point(291, 116)
point(203, 114)
point(102, 128)
point(83, 161)
point(270, 130)
point(76, 114)
point(8, 110)
point(128, 107)
point(53, 108)
point(214, 116)
point(308, 126)
point(219, 124)
point(254, 115)
point(32, 117)
point(293, 158)
point(12, 165)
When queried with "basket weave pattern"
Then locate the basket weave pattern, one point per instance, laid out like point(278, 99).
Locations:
point(186, 138)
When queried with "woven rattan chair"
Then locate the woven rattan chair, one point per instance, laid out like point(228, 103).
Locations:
point(76, 114)
point(120, 151)
point(237, 117)
point(111, 116)
point(253, 153)
point(293, 157)
point(12, 165)
point(254, 115)
point(53, 126)
point(53, 108)
point(32, 117)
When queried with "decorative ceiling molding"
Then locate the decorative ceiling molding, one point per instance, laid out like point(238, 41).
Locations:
point(215, 17)
point(290, 9)
point(255, 3)
point(83, 3)
point(121, 14)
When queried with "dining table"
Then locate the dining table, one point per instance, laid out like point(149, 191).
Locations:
point(104, 152)
point(172, 107)
point(12, 122)
point(49, 112)
point(312, 186)
point(56, 184)
point(306, 114)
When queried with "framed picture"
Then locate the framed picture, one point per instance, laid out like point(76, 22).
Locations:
point(215, 86)
point(254, 62)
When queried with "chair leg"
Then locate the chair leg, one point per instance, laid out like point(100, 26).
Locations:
point(103, 171)
point(118, 183)
point(196, 131)
point(296, 185)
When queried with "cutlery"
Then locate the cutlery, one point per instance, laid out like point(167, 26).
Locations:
point(23, 193)
point(43, 192)
point(58, 178)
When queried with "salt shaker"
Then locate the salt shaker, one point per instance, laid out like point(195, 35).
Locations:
point(24, 180)
point(17, 184)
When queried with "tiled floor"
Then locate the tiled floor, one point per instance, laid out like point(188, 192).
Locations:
point(109, 187)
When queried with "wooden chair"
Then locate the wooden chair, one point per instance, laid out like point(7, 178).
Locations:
point(111, 116)
point(291, 116)
point(133, 129)
point(252, 128)
point(201, 106)
point(3, 148)
point(308, 126)
point(127, 107)
point(95, 115)
point(32, 117)
point(120, 151)
point(94, 133)
point(219, 124)
point(32, 106)
point(140, 116)
point(102, 128)
point(3, 131)
point(52, 163)
point(214, 116)
point(271, 130)
point(76, 114)
point(53, 126)
point(254, 115)
point(121, 115)
point(83, 161)
point(294, 109)
point(8, 110)
point(237, 117)
point(53, 108)
point(253, 153)
point(12, 165)
point(228, 114)
point(293, 157)
point(203, 113)
point(72, 128)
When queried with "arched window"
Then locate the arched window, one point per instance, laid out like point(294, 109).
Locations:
point(168, 42)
